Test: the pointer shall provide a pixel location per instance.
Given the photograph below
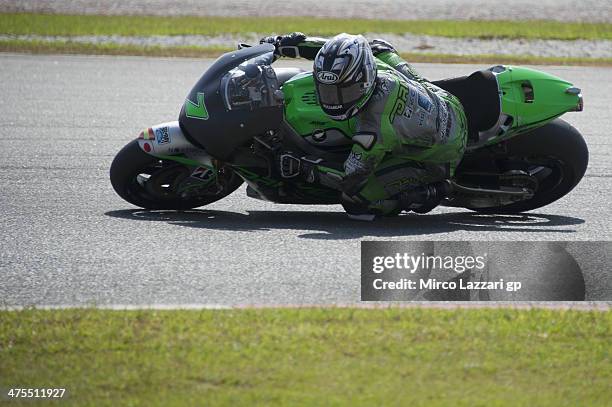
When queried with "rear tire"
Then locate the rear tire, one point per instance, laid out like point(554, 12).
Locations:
point(556, 142)
point(131, 166)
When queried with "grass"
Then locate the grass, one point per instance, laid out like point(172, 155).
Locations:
point(67, 47)
point(71, 25)
point(418, 357)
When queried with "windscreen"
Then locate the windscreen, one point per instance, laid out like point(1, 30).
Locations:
point(251, 85)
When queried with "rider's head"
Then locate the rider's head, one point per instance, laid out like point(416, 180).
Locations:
point(344, 74)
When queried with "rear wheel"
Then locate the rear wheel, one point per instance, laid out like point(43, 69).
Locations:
point(151, 183)
point(556, 155)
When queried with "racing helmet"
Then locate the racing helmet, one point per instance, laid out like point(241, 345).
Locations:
point(344, 74)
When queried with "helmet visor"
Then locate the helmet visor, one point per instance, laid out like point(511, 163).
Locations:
point(339, 95)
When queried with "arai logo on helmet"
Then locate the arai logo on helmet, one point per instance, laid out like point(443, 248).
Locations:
point(327, 77)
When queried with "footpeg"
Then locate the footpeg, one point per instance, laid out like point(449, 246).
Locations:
point(290, 166)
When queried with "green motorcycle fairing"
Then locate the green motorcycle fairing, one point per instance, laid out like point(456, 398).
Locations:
point(530, 99)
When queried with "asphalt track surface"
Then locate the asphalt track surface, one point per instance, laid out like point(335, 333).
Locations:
point(67, 239)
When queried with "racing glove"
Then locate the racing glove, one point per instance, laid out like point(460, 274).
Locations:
point(379, 46)
point(286, 45)
point(388, 54)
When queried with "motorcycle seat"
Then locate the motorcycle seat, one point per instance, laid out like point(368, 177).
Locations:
point(284, 74)
point(479, 95)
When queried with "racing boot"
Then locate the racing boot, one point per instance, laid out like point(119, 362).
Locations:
point(357, 209)
point(364, 211)
point(424, 199)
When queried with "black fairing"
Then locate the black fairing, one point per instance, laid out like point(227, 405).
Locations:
point(225, 130)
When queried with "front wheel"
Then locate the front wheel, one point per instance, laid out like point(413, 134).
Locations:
point(151, 183)
point(556, 153)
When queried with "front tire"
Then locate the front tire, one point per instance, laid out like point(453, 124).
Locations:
point(557, 143)
point(151, 183)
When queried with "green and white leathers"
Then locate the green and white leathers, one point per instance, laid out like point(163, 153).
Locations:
point(408, 132)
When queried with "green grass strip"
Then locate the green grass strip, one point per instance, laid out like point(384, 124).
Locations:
point(67, 47)
point(415, 357)
point(71, 25)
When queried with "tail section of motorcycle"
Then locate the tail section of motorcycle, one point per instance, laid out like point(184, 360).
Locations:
point(529, 99)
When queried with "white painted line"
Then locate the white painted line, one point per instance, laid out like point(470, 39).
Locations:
point(578, 306)
point(119, 307)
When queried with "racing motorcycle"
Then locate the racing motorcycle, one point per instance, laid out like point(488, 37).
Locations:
point(242, 117)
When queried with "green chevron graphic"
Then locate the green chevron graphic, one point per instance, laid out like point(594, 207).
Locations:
point(196, 111)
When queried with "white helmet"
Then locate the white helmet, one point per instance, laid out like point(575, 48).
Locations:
point(344, 74)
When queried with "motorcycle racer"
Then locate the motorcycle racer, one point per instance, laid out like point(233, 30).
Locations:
point(398, 113)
